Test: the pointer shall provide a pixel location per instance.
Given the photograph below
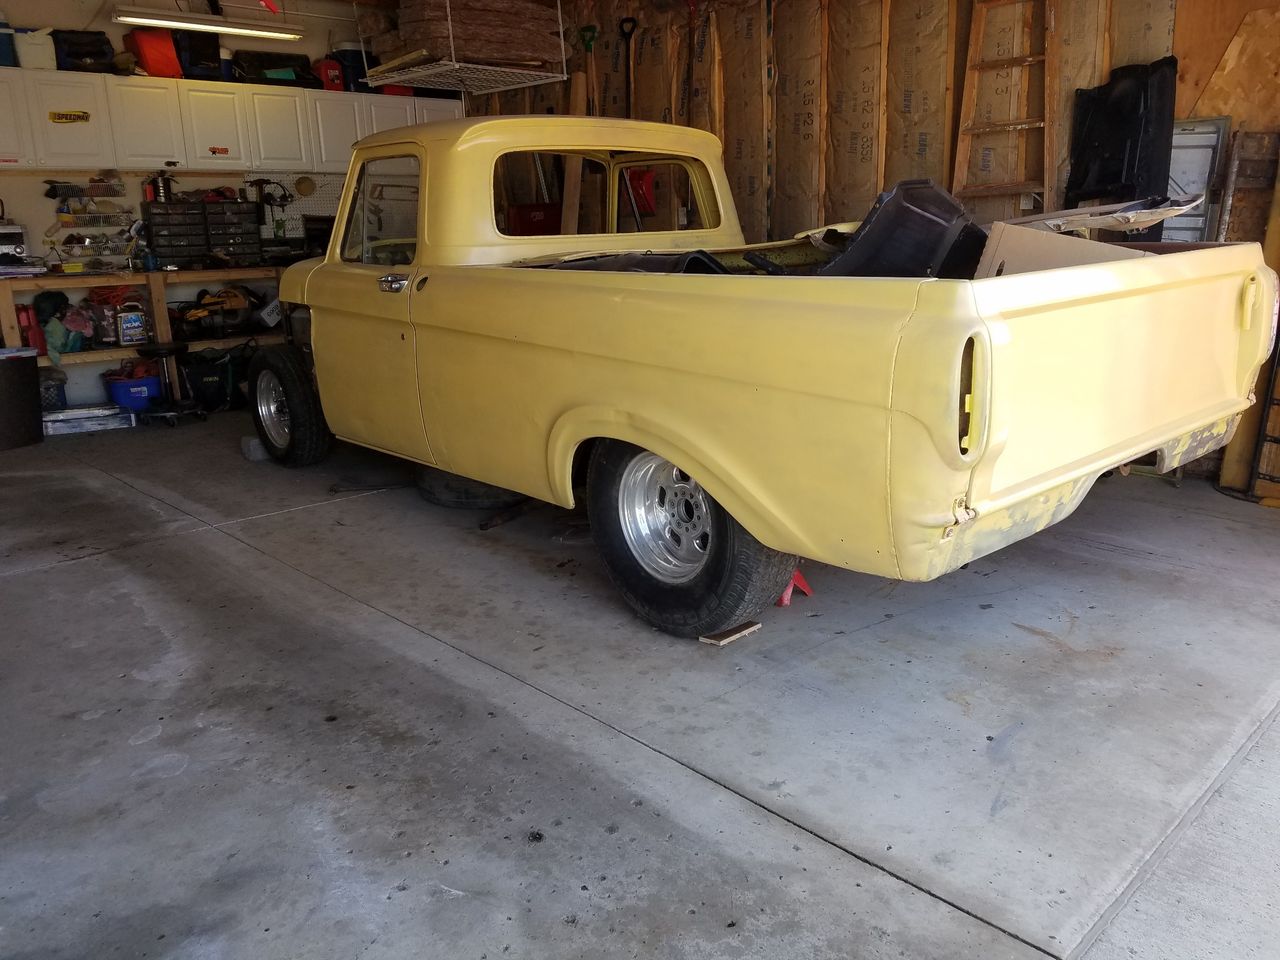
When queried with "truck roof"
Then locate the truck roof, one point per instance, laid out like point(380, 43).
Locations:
point(463, 155)
point(539, 129)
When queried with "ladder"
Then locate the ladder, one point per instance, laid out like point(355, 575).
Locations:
point(1264, 480)
point(1018, 66)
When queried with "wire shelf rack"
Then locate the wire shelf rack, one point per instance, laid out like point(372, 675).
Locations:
point(66, 191)
point(95, 219)
point(473, 78)
point(82, 250)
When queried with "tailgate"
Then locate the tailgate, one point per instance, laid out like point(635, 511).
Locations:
point(1094, 365)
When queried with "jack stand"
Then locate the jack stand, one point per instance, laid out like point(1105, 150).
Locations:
point(798, 582)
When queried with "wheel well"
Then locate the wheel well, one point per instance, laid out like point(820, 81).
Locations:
point(581, 461)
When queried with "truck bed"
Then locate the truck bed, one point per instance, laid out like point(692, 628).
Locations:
point(829, 414)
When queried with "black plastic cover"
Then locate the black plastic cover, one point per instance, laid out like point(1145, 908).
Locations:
point(1122, 137)
point(914, 229)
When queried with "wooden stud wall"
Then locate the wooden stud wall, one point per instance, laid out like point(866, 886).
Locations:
point(823, 102)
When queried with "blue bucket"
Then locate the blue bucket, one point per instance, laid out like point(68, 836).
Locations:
point(135, 395)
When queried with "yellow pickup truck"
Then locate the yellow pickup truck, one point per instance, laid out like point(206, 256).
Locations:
point(559, 307)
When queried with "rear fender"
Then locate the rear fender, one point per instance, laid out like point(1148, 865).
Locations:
point(762, 518)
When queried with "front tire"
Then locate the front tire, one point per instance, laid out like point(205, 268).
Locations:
point(681, 562)
point(286, 409)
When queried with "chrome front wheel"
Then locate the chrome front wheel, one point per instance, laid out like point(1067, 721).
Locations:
point(666, 518)
point(273, 408)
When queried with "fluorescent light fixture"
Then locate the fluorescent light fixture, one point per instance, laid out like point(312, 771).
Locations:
point(178, 20)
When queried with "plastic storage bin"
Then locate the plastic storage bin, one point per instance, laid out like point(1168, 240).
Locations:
point(35, 49)
point(353, 60)
point(136, 394)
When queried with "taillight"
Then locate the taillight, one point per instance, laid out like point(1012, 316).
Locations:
point(965, 418)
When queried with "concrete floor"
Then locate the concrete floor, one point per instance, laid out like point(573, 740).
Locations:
point(247, 716)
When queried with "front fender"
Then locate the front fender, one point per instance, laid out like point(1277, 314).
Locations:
point(766, 520)
point(293, 282)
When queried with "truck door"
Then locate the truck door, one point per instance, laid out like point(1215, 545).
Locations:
point(359, 298)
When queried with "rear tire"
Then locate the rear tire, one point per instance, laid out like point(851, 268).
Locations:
point(286, 409)
point(446, 489)
point(681, 562)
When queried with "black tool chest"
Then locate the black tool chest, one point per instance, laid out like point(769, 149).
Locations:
point(195, 236)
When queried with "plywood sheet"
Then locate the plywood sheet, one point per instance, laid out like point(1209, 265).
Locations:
point(1246, 84)
point(854, 99)
point(919, 71)
point(799, 29)
point(743, 33)
point(1141, 31)
point(1202, 30)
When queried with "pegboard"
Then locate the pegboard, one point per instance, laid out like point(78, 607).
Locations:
point(322, 203)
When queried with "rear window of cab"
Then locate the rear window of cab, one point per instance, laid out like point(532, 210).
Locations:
point(617, 192)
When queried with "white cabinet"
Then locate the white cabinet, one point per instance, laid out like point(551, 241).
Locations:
point(214, 125)
point(279, 128)
point(70, 124)
point(386, 112)
point(426, 109)
point(15, 131)
point(338, 120)
point(87, 121)
point(146, 122)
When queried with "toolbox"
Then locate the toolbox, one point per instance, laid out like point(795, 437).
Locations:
point(232, 232)
point(105, 416)
point(176, 234)
point(191, 236)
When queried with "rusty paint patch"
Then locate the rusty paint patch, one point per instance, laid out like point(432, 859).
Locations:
point(1193, 445)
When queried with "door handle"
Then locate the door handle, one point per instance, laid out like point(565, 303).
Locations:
point(392, 282)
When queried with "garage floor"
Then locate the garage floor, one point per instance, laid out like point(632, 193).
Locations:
point(247, 716)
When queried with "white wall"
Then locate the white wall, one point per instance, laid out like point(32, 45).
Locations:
point(96, 15)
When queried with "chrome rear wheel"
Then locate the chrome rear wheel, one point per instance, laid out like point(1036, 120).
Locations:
point(665, 517)
point(679, 559)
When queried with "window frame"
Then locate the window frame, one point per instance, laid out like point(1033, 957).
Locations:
point(397, 151)
point(701, 181)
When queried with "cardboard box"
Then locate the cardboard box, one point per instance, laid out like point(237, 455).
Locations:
point(1012, 249)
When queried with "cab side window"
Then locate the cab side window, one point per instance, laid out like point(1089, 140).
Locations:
point(382, 226)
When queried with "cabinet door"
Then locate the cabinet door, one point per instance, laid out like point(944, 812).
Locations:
point(15, 133)
point(279, 129)
point(337, 121)
point(427, 109)
point(386, 113)
point(146, 123)
point(70, 123)
point(214, 125)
